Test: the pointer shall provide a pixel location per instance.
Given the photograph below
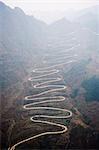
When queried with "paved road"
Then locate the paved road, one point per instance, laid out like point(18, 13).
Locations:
point(47, 82)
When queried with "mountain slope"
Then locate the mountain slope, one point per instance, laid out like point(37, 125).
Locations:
point(89, 18)
point(19, 31)
point(21, 38)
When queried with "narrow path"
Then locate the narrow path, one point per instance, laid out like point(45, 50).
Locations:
point(47, 83)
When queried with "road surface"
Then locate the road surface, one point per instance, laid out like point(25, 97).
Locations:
point(47, 83)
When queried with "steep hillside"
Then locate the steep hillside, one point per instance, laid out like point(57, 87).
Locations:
point(21, 38)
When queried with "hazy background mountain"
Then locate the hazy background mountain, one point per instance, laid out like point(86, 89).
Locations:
point(89, 18)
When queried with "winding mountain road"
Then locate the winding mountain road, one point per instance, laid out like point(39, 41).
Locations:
point(45, 82)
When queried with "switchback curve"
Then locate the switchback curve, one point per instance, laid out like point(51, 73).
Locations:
point(47, 82)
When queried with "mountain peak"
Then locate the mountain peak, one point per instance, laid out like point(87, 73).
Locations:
point(19, 10)
point(63, 21)
point(2, 5)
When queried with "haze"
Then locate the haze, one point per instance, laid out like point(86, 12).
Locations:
point(51, 10)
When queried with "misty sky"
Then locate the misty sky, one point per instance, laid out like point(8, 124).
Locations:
point(50, 10)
